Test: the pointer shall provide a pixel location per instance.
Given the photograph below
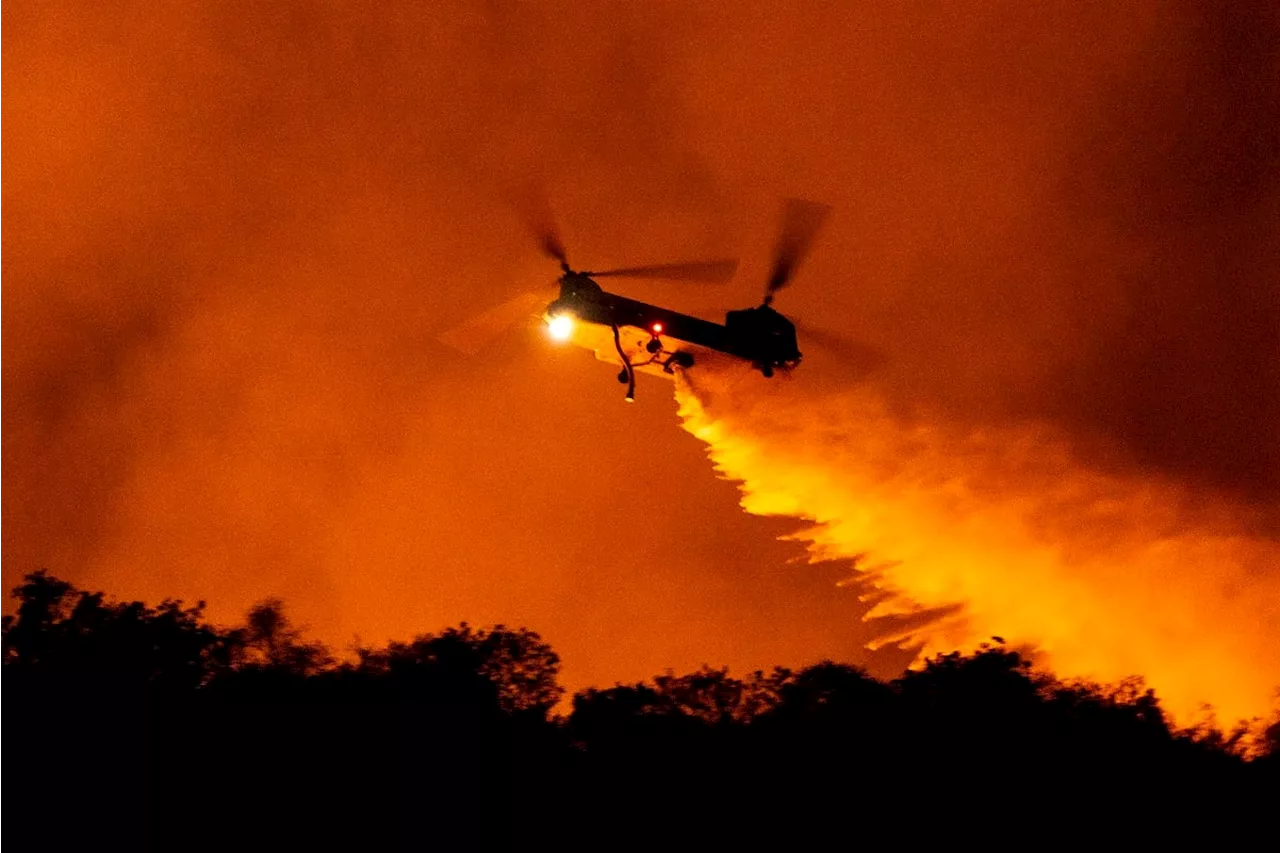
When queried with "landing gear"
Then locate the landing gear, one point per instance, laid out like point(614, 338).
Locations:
point(767, 370)
point(677, 359)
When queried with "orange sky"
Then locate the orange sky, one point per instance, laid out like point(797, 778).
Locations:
point(232, 233)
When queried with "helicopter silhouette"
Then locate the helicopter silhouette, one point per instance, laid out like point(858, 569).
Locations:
point(760, 336)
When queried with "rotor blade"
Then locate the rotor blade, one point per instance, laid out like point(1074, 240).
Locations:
point(471, 336)
point(533, 206)
point(858, 357)
point(800, 223)
point(711, 272)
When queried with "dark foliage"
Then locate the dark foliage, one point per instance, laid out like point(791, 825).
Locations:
point(149, 727)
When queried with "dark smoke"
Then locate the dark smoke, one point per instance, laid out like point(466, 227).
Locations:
point(232, 233)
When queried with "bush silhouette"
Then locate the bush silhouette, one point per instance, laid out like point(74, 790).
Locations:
point(151, 727)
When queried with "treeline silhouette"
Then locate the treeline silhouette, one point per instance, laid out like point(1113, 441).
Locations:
point(150, 727)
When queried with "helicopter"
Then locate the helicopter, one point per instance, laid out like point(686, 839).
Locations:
point(760, 335)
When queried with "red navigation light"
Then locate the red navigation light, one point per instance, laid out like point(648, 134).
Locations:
point(657, 328)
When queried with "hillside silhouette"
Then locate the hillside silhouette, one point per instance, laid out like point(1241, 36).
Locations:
point(151, 727)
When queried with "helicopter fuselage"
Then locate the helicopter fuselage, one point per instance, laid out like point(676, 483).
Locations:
point(760, 335)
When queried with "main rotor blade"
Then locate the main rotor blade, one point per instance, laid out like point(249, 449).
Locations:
point(711, 272)
point(858, 357)
point(473, 334)
point(800, 223)
point(534, 208)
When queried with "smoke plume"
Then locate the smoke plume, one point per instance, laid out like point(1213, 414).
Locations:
point(233, 232)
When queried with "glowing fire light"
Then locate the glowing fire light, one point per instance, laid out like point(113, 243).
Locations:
point(561, 327)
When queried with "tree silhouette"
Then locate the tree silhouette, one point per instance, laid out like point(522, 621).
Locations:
point(517, 667)
point(148, 725)
point(270, 640)
point(61, 632)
